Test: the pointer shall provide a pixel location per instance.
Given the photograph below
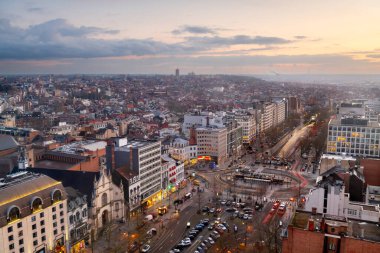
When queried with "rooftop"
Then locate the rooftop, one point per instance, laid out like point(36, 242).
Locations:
point(371, 230)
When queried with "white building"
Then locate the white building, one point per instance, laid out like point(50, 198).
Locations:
point(202, 119)
point(248, 123)
point(34, 214)
point(181, 150)
point(330, 197)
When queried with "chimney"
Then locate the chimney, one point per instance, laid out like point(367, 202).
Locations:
point(361, 227)
point(193, 138)
point(349, 228)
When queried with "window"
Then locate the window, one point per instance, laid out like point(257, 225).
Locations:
point(104, 199)
point(77, 216)
point(61, 206)
point(54, 224)
point(19, 225)
point(54, 216)
point(56, 196)
point(34, 226)
point(10, 229)
point(34, 234)
point(22, 250)
point(53, 209)
point(71, 218)
point(62, 220)
point(13, 214)
point(55, 231)
point(20, 233)
point(84, 213)
point(33, 218)
point(10, 238)
point(61, 213)
point(62, 228)
point(42, 230)
point(11, 246)
point(42, 215)
point(42, 222)
point(36, 204)
point(43, 238)
point(35, 243)
point(21, 241)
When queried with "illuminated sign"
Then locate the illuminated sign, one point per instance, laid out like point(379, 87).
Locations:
point(204, 157)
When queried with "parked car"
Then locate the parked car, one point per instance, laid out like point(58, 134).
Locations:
point(145, 248)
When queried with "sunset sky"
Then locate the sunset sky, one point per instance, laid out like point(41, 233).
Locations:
point(227, 37)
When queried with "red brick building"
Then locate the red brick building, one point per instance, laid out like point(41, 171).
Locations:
point(309, 233)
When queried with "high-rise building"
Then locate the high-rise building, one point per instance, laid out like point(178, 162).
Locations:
point(34, 214)
point(177, 72)
point(248, 123)
point(212, 142)
point(143, 158)
point(353, 136)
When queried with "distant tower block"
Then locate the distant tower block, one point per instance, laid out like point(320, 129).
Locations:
point(177, 72)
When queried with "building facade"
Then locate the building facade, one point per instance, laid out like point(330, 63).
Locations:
point(34, 214)
point(212, 142)
point(353, 136)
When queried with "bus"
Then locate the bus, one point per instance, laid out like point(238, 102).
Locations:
point(196, 182)
point(282, 209)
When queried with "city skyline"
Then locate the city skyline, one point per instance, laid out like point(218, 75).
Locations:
point(245, 37)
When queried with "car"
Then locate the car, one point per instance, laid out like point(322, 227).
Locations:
point(213, 236)
point(203, 245)
point(205, 209)
point(276, 204)
point(199, 227)
point(219, 210)
point(191, 236)
point(200, 249)
point(228, 203)
point(221, 226)
point(250, 217)
point(211, 240)
point(205, 222)
point(196, 251)
point(207, 243)
point(212, 210)
point(186, 241)
point(145, 248)
point(231, 209)
point(180, 246)
point(210, 227)
point(245, 217)
point(272, 211)
point(176, 250)
point(223, 202)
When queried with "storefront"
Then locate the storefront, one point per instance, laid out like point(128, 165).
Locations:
point(78, 247)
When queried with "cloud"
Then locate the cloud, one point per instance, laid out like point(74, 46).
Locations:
point(376, 56)
point(194, 30)
point(35, 9)
point(235, 40)
point(300, 37)
point(59, 39)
